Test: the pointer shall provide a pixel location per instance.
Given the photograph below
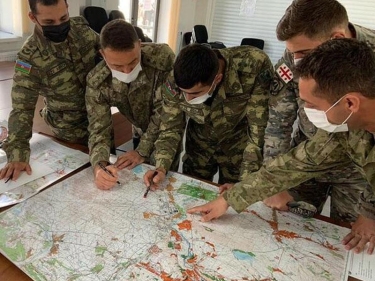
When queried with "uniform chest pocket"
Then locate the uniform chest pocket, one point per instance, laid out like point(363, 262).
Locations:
point(60, 77)
point(235, 106)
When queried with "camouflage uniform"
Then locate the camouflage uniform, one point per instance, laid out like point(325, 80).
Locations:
point(220, 129)
point(58, 72)
point(312, 158)
point(139, 101)
point(285, 107)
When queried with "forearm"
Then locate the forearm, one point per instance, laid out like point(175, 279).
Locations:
point(17, 145)
point(252, 160)
point(100, 130)
point(366, 206)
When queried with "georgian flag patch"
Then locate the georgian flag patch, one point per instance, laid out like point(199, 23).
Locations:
point(284, 73)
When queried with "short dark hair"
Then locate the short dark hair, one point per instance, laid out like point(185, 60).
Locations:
point(312, 18)
point(32, 4)
point(340, 66)
point(195, 64)
point(118, 35)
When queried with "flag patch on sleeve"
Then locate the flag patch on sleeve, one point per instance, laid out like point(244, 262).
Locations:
point(23, 67)
point(171, 91)
point(284, 73)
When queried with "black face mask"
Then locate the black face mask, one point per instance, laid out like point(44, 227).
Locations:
point(56, 33)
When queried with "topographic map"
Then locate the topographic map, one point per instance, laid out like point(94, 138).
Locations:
point(74, 231)
point(61, 159)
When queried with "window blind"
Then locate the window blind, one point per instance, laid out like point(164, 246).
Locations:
point(229, 27)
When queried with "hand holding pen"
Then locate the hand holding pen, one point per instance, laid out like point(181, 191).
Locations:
point(152, 178)
point(105, 176)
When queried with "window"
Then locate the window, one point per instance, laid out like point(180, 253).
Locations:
point(142, 13)
point(11, 13)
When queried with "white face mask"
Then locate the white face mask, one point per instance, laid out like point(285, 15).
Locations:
point(202, 98)
point(319, 119)
point(127, 77)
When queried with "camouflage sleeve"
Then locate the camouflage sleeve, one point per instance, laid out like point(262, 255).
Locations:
point(257, 115)
point(308, 160)
point(100, 124)
point(25, 92)
point(366, 205)
point(148, 139)
point(172, 127)
point(283, 109)
point(166, 58)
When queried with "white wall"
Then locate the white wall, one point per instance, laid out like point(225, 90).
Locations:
point(164, 21)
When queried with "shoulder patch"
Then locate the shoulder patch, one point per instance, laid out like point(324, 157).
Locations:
point(276, 86)
point(169, 89)
point(284, 73)
point(22, 67)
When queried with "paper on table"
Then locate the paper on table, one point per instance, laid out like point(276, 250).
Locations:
point(39, 170)
point(361, 266)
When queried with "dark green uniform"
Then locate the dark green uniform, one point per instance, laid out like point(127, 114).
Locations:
point(139, 101)
point(58, 72)
point(312, 158)
point(286, 107)
point(227, 131)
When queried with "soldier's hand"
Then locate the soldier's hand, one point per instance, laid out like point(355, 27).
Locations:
point(279, 201)
point(211, 210)
point(363, 231)
point(225, 186)
point(129, 160)
point(13, 170)
point(153, 177)
point(103, 180)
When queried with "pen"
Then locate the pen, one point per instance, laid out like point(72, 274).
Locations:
point(151, 183)
point(107, 171)
point(10, 177)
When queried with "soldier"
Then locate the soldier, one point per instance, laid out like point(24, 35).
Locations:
point(130, 78)
point(336, 99)
point(302, 30)
point(224, 93)
point(53, 62)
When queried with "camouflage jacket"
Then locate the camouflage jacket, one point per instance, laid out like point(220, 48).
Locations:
point(311, 158)
point(286, 106)
point(243, 94)
point(57, 72)
point(139, 101)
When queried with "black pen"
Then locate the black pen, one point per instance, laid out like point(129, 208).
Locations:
point(10, 177)
point(151, 183)
point(107, 171)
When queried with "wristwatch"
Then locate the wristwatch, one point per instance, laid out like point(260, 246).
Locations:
point(302, 208)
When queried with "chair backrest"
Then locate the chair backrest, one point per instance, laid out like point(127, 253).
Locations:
point(96, 17)
point(259, 43)
point(140, 33)
point(200, 34)
point(186, 38)
point(116, 14)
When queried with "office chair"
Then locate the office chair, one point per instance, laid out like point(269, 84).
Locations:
point(200, 35)
point(259, 43)
point(96, 17)
point(115, 14)
point(141, 35)
point(186, 38)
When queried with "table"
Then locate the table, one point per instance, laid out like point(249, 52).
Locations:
point(8, 271)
